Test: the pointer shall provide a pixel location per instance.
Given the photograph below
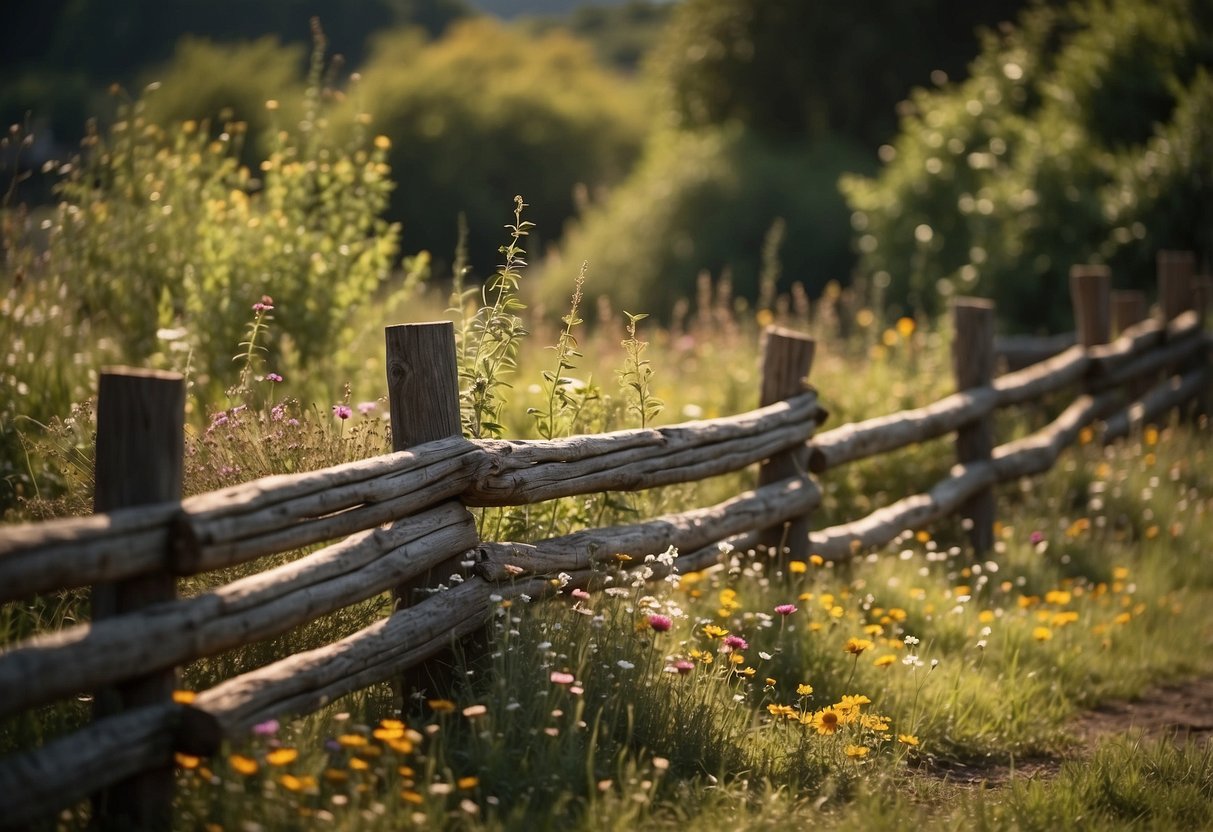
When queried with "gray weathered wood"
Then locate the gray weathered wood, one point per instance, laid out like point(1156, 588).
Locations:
point(288, 511)
point(432, 484)
point(688, 530)
point(1015, 352)
point(83, 551)
point(973, 364)
point(423, 383)
point(1033, 454)
point(1175, 353)
point(533, 471)
point(37, 783)
point(881, 434)
point(1090, 293)
point(1128, 308)
point(139, 461)
point(260, 606)
point(306, 681)
point(787, 359)
point(1175, 272)
point(1170, 393)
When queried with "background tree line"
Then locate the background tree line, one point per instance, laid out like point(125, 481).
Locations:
point(982, 147)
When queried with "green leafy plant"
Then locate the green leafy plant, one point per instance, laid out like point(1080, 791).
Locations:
point(490, 339)
point(637, 375)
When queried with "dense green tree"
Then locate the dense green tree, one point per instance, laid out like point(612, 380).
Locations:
point(705, 199)
point(486, 113)
point(55, 55)
point(1080, 136)
point(808, 68)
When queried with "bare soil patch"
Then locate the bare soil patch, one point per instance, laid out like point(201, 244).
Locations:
point(1180, 712)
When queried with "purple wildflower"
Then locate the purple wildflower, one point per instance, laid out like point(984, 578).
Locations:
point(735, 643)
point(366, 407)
point(660, 623)
point(267, 728)
point(342, 411)
point(274, 377)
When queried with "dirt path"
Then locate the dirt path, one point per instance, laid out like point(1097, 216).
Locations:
point(1182, 712)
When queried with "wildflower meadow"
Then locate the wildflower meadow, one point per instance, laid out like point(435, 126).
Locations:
point(1055, 681)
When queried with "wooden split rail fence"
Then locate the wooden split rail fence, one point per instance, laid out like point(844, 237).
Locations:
point(401, 522)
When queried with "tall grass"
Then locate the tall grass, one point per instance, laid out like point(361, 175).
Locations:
point(742, 696)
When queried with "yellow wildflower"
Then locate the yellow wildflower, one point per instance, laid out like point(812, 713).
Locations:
point(282, 756)
point(243, 765)
point(825, 721)
point(855, 646)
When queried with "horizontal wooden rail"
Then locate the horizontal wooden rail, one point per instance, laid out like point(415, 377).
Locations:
point(404, 515)
point(687, 530)
point(37, 783)
point(1030, 455)
point(529, 472)
point(1019, 351)
point(411, 635)
point(82, 551)
point(91, 655)
point(1132, 355)
point(1171, 393)
point(284, 512)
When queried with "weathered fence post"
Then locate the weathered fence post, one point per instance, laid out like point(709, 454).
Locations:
point(1128, 308)
point(973, 365)
point(787, 358)
point(1202, 296)
point(140, 446)
point(1090, 292)
point(1175, 270)
point(423, 397)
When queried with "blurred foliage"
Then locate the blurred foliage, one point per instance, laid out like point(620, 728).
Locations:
point(162, 242)
point(55, 56)
point(809, 69)
point(706, 200)
point(109, 41)
point(622, 34)
point(224, 83)
point(1081, 136)
point(486, 113)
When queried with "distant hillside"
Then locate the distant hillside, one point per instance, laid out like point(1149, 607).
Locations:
point(514, 8)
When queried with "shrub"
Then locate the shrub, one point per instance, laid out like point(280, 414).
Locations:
point(706, 200)
point(485, 113)
point(161, 243)
point(1048, 155)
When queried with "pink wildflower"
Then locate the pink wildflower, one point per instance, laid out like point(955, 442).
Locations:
point(785, 609)
point(560, 678)
point(735, 643)
point(267, 728)
point(342, 411)
point(274, 377)
point(660, 623)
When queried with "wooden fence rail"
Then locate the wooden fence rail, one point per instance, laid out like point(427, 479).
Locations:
point(398, 518)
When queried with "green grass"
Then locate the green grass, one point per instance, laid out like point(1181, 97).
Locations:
point(580, 713)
